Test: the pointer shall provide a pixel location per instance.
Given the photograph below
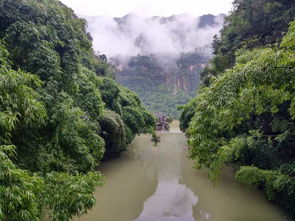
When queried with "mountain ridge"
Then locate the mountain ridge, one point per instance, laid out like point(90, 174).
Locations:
point(160, 58)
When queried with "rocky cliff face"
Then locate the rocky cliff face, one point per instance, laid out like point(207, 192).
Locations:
point(163, 87)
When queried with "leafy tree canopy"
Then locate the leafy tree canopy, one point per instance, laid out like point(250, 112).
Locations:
point(246, 118)
point(60, 113)
point(251, 24)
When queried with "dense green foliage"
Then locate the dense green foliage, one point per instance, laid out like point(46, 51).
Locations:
point(188, 111)
point(60, 114)
point(162, 86)
point(251, 24)
point(246, 119)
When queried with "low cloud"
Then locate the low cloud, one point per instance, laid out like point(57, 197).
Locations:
point(134, 35)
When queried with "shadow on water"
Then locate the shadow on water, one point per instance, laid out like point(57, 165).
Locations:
point(151, 183)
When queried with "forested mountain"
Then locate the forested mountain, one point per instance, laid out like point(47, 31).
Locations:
point(60, 112)
point(244, 115)
point(160, 58)
point(163, 89)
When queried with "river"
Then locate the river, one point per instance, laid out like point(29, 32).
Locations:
point(158, 183)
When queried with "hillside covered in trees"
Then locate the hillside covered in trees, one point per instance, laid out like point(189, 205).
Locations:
point(244, 115)
point(163, 89)
point(61, 113)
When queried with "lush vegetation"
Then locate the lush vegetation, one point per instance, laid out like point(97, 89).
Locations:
point(251, 24)
point(244, 115)
point(60, 112)
point(163, 86)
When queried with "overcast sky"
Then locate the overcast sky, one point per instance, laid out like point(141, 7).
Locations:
point(118, 8)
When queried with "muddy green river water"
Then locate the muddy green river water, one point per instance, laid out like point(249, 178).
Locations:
point(158, 183)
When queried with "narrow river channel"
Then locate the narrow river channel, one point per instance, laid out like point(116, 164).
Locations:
point(158, 183)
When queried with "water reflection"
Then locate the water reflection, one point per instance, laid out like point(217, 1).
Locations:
point(172, 201)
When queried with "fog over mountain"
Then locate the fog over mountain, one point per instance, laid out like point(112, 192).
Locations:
point(165, 36)
point(160, 58)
